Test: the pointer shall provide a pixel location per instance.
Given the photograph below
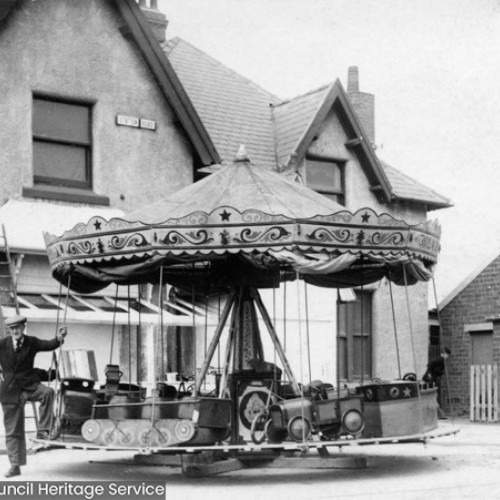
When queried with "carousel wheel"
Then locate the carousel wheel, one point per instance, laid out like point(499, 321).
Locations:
point(258, 427)
point(144, 434)
point(162, 436)
point(91, 430)
point(299, 429)
point(125, 438)
point(184, 430)
point(352, 421)
point(111, 433)
point(410, 376)
point(120, 435)
point(274, 435)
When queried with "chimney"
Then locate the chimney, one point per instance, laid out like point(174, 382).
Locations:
point(362, 103)
point(156, 19)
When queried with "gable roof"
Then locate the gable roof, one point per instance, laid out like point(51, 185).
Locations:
point(293, 117)
point(486, 261)
point(137, 28)
point(333, 96)
point(277, 132)
point(167, 79)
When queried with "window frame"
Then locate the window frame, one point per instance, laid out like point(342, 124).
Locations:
point(346, 332)
point(338, 193)
point(53, 181)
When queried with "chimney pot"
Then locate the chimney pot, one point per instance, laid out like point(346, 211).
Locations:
point(155, 17)
point(353, 79)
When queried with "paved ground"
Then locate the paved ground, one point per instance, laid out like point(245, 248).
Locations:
point(466, 465)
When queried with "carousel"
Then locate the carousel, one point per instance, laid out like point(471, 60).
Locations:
point(239, 231)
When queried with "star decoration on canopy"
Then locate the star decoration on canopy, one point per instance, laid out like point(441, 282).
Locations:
point(97, 225)
point(365, 217)
point(225, 215)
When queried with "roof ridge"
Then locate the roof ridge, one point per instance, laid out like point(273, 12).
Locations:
point(309, 92)
point(176, 40)
point(169, 45)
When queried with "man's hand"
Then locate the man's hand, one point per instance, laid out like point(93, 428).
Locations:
point(62, 331)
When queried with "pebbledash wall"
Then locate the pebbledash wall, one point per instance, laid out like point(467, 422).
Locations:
point(74, 50)
point(473, 310)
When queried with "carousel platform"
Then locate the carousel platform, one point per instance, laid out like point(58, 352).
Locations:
point(206, 461)
point(77, 442)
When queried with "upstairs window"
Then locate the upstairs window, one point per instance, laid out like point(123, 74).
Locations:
point(61, 143)
point(326, 177)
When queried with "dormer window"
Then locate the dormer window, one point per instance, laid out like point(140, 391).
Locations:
point(61, 143)
point(326, 177)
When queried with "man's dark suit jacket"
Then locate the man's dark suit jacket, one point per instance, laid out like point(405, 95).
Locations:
point(18, 373)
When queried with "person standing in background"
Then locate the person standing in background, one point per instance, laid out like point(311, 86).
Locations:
point(434, 373)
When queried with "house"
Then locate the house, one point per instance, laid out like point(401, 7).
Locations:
point(467, 322)
point(326, 139)
point(95, 122)
point(137, 117)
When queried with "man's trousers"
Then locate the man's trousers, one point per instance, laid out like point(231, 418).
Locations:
point(13, 419)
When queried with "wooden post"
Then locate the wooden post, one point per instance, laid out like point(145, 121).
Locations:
point(275, 339)
point(471, 397)
point(227, 357)
point(215, 340)
point(489, 393)
point(207, 463)
point(483, 393)
point(495, 392)
point(476, 395)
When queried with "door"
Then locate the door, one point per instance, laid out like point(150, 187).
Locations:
point(482, 348)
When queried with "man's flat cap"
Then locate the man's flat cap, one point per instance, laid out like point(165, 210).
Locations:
point(17, 319)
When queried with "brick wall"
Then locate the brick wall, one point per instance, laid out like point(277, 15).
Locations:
point(474, 305)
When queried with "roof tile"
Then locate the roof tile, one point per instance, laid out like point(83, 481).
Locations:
point(405, 187)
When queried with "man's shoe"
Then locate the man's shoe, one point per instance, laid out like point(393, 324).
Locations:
point(15, 470)
point(55, 435)
point(42, 435)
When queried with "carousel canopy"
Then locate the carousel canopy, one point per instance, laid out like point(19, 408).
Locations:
point(243, 223)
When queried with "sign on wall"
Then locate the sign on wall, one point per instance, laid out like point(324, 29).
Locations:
point(133, 121)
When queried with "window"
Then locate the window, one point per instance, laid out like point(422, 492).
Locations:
point(326, 177)
point(61, 143)
point(355, 337)
point(435, 335)
point(434, 341)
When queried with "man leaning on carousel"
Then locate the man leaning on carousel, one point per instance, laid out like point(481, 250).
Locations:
point(19, 382)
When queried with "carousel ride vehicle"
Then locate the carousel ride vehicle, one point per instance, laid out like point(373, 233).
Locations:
point(235, 232)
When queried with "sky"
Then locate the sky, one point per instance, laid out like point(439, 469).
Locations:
point(433, 67)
